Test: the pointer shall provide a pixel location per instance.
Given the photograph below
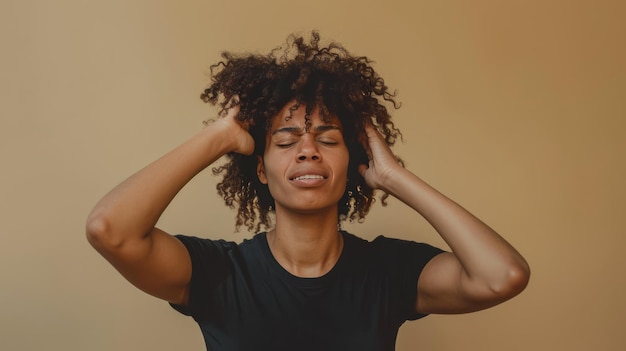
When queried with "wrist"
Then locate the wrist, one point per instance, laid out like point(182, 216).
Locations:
point(218, 138)
point(395, 181)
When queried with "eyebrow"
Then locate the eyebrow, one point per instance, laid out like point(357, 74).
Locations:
point(300, 130)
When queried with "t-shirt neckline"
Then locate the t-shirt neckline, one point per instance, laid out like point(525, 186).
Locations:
point(316, 282)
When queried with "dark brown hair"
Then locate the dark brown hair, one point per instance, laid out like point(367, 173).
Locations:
point(328, 78)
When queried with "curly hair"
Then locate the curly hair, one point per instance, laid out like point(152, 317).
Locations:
point(327, 78)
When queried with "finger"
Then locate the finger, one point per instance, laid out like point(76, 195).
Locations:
point(363, 169)
point(370, 130)
point(370, 135)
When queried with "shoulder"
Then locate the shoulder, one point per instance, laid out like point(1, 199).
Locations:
point(258, 241)
point(385, 244)
point(196, 244)
point(388, 251)
point(211, 251)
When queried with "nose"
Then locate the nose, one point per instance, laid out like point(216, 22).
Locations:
point(308, 149)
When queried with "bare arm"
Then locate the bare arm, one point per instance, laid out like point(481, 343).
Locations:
point(482, 270)
point(121, 227)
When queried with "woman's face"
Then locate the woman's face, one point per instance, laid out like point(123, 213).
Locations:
point(305, 164)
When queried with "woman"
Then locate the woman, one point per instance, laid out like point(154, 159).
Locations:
point(307, 139)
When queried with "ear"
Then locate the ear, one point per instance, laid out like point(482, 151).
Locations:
point(260, 169)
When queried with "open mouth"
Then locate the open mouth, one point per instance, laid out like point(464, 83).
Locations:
point(308, 176)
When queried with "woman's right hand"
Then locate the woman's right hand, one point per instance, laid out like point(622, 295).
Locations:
point(236, 133)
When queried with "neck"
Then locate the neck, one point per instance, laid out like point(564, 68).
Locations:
point(306, 245)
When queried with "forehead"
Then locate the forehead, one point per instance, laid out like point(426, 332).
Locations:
point(295, 116)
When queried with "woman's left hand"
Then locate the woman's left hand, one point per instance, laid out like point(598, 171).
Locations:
point(382, 162)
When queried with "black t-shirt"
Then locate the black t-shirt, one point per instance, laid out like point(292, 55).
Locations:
point(244, 300)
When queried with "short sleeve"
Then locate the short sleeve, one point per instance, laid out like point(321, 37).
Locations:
point(210, 266)
point(404, 261)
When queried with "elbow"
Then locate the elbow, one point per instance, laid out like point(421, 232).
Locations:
point(99, 233)
point(506, 282)
point(516, 278)
point(94, 229)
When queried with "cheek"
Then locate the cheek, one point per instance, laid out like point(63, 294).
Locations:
point(342, 163)
point(272, 168)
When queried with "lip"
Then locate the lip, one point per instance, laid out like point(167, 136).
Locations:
point(308, 179)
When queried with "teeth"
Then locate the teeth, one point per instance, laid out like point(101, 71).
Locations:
point(308, 176)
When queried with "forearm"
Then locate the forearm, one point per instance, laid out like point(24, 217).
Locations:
point(485, 256)
point(132, 208)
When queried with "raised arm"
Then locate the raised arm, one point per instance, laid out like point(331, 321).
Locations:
point(121, 227)
point(481, 271)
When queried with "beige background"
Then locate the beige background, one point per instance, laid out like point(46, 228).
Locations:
point(513, 108)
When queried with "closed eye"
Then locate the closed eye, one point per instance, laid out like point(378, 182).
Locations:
point(328, 135)
point(285, 144)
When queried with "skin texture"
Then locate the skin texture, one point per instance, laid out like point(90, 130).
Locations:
point(294, 151)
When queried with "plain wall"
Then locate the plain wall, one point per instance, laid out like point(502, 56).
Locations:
point(515, 109)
